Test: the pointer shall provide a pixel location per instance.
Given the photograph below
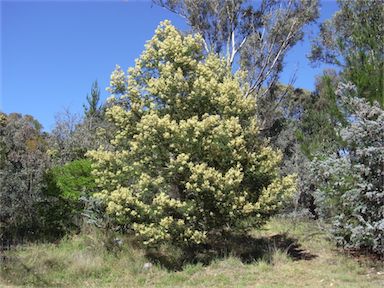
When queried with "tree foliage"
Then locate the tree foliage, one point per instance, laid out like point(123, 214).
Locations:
point(351, 186)
point(353, 40)
point(186, 161)
point(74, 134)
point(66, 187)
point(66, 141)
point(71, 180)
point(322, 117)
point(253, 36)
point(93, 109)
point(23, 163)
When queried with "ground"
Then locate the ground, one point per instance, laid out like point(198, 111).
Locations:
point(285, 253)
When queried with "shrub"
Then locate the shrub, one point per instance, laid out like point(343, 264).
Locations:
point(351, 184)
point(187, 162)
point(65, 185)
point(72, 180)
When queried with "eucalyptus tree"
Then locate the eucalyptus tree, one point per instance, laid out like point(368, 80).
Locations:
point(253, 36)
point(24, 161)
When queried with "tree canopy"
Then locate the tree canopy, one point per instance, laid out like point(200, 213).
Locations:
point(186, 161)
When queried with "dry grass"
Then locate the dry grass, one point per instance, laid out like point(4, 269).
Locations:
point(285, 253)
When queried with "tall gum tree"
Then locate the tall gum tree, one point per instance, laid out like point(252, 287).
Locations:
point(252, 36)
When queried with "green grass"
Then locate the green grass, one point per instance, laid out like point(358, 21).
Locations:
point(285, 253)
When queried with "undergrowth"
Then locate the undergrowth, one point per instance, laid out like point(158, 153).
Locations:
point(285, 253)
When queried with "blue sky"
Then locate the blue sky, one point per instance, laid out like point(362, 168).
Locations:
point(52, 51)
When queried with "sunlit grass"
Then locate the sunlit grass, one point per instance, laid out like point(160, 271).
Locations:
point(84, 261)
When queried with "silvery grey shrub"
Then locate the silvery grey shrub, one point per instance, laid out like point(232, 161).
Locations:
point(350, 183)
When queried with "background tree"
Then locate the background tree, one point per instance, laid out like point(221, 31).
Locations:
point(353, 41)
point(93, 108)
point(253, 37)
point(24, 160)
point(69, 181)
point(74, 134)
point(186, 165)
point(321, 118)
point(311, 127)
point(65, 142)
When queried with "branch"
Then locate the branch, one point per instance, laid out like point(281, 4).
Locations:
point(205, 45)
point(235, 51)
point(161, 4)
point(282, 49)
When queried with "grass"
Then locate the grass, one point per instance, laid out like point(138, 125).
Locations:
point(285, 253)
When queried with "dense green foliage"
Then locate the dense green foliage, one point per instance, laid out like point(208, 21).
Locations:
point(321, 116)
point(353, 40)
point(65, 187)
point(72, 180)
point(186, 163)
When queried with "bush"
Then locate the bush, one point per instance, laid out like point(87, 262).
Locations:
point(65, 185)
point(23, 162)
point(72, 180)
point(351, 184)
point(187, 163)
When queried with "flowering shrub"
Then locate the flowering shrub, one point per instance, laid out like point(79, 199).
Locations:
point(186, 161)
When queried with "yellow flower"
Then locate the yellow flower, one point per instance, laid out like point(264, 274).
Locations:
point(185, 146)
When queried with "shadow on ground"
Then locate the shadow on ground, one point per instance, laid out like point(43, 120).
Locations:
point(247, 248)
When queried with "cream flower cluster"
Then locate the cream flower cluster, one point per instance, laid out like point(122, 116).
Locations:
point(186, 159)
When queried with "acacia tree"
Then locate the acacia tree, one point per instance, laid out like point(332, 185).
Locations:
point(186, 162)
point(253, 37)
